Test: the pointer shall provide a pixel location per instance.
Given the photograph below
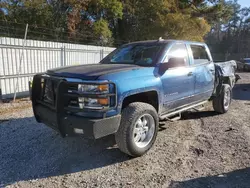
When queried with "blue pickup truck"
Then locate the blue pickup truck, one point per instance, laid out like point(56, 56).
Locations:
point(130, 90)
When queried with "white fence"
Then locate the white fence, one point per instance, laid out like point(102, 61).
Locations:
point(39, 56)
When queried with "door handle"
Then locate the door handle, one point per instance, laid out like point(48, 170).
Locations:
point(212, 71)
point(190, 74)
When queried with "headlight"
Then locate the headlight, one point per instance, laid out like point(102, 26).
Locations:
point(93, 103)
point(82, 88)
point(97, 103)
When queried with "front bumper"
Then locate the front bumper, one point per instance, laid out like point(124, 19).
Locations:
point(67, 120)
point(66, 125)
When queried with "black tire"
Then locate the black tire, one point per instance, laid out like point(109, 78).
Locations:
point(219, 104)
point(125, 135)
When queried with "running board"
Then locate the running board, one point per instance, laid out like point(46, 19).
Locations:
point(199, 108)
point(167, 116)
point(175, 118)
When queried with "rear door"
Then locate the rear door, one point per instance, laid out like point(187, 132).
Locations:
point(178, 83)
point(204, 71)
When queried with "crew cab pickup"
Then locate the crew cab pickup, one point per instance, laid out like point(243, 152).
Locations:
point(130, 90)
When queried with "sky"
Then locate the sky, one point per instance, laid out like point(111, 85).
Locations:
point(244, 3)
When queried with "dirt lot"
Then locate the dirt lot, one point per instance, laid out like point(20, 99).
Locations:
point(203, 149)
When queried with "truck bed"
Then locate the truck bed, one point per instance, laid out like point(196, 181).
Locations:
point(225, 74)
point(226, 68)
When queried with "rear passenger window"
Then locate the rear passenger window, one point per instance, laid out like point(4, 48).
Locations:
point(200, 54)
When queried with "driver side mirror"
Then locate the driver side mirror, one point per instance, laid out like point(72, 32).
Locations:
point(172, 63)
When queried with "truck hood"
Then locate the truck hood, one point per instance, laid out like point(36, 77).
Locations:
point(91, 71)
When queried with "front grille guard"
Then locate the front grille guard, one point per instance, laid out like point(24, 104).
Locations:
point(63, 96)
point(62, 99)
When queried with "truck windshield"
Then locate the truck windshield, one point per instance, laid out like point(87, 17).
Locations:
point(140, 54)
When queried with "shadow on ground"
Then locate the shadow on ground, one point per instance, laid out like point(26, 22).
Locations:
point(241, 92)
point(238, 178)
point(31, 151)
point(197, 115)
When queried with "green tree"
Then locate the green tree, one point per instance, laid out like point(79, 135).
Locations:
point(231, 39)
point(94, 16)
point(39, 14)
point(104, 21)
point(102, 31)
point(183, 19)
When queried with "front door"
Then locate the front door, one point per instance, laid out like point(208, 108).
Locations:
point(178, 83)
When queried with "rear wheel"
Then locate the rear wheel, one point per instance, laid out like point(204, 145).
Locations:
point(222, 102)
point(138, 129)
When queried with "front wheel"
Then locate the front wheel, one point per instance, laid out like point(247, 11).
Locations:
point(138, 129)
point(221, 103)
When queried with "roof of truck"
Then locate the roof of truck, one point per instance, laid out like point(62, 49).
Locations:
point(165, 41)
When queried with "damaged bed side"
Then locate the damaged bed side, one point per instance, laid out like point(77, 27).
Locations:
point(225, 74)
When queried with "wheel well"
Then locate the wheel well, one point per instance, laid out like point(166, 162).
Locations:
point(227, 80)
point(150, 97)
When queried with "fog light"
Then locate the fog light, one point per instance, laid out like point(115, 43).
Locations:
point(78, 131)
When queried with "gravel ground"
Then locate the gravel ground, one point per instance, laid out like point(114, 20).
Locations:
point(203, 149)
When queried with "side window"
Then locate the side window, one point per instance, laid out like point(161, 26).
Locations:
point(200, 54)
point(178, 51)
